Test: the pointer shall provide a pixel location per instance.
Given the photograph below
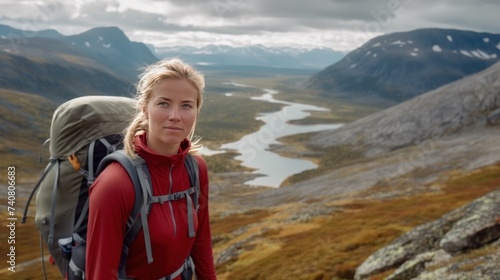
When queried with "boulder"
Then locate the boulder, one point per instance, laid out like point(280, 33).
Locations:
point(480, 225)
point(468, 227)
point(415, 266)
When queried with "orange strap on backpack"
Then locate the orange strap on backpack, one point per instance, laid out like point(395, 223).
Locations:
point(74, 161)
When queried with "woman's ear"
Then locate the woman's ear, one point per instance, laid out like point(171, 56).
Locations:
point(145, 112)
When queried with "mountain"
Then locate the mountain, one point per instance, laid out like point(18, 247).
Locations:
point(107, 46)
point(56, 71)
point(257, 55)
point(111, 47)
point(399, 66)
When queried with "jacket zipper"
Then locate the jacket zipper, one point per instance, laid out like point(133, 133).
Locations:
point(170, 202)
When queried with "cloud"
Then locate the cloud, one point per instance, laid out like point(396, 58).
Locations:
point(339, 24)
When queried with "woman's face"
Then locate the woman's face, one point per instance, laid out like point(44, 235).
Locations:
point(171, 113)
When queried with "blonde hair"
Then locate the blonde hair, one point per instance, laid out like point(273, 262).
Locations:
point(151, 76)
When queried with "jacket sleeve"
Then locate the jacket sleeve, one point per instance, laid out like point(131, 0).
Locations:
point(111, 199)
point(202, 253)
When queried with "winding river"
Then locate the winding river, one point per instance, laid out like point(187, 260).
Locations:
point(253, 148)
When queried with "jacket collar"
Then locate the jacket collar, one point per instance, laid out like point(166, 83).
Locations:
point(151, 156)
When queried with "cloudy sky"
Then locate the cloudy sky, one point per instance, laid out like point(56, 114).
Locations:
point(342, 25)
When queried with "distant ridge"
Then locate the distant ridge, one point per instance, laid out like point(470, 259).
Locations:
point(256, 55)
point(10, 32)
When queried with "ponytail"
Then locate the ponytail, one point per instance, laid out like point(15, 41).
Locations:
point(137, 126)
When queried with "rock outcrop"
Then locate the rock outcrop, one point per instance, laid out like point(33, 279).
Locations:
point(469, 227)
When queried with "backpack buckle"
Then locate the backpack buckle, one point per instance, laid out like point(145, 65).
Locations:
point(177, 195)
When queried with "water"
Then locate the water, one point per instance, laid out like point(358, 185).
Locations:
point(273, 168)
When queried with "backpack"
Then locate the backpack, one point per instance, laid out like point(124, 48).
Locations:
point(85, 136)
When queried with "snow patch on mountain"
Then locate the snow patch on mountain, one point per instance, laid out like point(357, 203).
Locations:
point(466, 53)
point(399, 43)
point(437, 48)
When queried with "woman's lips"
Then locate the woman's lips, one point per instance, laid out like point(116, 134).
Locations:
point(173, 128)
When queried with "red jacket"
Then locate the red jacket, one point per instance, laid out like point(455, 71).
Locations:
point(111, 201)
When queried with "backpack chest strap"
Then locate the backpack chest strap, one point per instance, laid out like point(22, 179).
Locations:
point(177, 196)
point(171, 197)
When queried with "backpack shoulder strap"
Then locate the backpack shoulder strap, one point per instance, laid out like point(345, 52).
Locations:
point(193, 171)
point(130, 166)
point(137, 170)
point(194, 177)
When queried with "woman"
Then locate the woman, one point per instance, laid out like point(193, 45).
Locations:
point(169, 98)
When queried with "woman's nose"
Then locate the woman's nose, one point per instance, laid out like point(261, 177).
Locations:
point(174, 114)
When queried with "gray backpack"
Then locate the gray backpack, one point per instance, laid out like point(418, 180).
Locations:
point(85, 136)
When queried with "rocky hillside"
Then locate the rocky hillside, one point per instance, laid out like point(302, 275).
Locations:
point(465, 114)
point(468, 104)
point(400, 66)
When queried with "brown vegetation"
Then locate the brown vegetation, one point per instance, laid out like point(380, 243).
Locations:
point(338, 244)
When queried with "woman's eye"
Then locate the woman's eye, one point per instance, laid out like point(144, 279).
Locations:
point(187, 105)
point(163, 103)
